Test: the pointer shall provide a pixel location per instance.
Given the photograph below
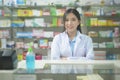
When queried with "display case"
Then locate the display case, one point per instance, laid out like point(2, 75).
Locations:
point(72, 70)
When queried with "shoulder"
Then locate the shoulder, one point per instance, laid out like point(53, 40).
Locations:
point(84, 36)
point(59, 36)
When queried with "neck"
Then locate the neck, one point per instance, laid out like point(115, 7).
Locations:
point(72, 35)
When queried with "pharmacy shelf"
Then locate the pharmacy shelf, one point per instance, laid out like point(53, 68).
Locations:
point(109, 15)
point(102, 28)
point(101, 39)
point(112, 50)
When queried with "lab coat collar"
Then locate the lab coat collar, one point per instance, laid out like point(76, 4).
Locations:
point(79, 35)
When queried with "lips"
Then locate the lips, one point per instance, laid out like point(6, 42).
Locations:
point(69, 27)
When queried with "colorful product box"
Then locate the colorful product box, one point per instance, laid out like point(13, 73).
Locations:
point(43, 43)
point(24, 34)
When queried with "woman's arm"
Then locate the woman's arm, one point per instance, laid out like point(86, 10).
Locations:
point(55, 49)
point(89, 47)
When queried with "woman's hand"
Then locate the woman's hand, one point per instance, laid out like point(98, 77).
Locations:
point(63, 58)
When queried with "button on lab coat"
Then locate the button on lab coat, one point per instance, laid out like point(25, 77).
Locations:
point(83, 47)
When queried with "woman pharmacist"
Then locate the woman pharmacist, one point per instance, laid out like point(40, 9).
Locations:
point(72, 44)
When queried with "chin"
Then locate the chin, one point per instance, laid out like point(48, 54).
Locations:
point(70, 30)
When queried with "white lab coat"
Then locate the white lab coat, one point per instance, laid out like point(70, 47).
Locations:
point(83, 47)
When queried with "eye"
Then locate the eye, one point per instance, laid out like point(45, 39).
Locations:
point(66, 20)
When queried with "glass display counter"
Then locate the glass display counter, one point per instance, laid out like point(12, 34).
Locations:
point(106, 70)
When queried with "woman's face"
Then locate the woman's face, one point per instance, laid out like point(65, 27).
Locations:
point(71, 23)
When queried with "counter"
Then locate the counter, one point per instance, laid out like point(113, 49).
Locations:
point(65, 69)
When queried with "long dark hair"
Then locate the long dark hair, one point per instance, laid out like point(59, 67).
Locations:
point(76, 13)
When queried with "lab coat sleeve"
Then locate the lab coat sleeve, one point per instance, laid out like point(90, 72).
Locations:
point(55, 49)
point(89, 51)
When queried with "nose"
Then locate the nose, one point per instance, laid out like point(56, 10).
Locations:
point(69, 22)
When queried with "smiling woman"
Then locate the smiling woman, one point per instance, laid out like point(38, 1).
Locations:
point(72, 44)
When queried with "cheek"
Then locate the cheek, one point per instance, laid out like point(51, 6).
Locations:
point(65, 25)
point(77, 23)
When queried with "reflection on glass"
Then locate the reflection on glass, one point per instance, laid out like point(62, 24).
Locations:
point(72, 69)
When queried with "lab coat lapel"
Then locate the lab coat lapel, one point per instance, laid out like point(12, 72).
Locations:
point(67, 45)
point(77, 44)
